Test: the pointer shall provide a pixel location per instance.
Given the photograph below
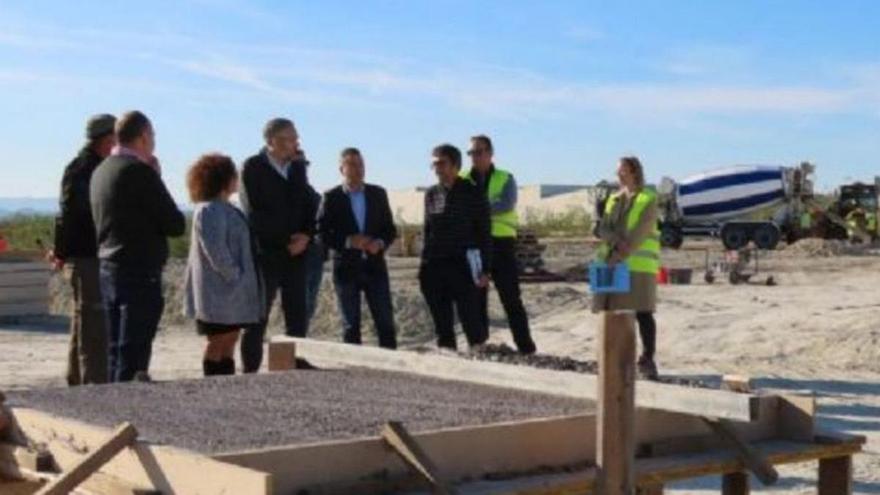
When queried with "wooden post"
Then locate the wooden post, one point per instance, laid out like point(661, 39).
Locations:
point(282, 356)
point(835, 476)
point(124, 436)
point(735, 484)
point(615, 425)
point(650, 490)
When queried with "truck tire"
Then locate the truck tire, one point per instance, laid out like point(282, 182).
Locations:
point(766, 236)
point(670, 237)
point(734, 237)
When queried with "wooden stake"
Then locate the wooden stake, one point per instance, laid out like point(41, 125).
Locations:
point(124, 436)
point(615, 427)
point(735, 484)
point(282, 356)
point(396, 436)
point(753, 460)
point(835, 476)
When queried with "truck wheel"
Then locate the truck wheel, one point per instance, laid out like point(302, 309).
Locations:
point(766, 236)
point(734, 237)
point(670, 237)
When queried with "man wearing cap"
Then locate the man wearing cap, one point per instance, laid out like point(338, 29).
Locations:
point(76, 251)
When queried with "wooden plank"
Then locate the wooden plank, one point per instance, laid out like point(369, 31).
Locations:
point(396, 436)
point(835, 476)
point(666, 470)
point(470, 452)
point(661, 396)
point(282, 356)
point(24, 293)
point(23, 266)
point(753, 460)
point(25, 457)
point(124, 436)
point(102, 484)
point(735, 484)
point(24, 308)
point(615, 435)
point(797, 417)
point(96, 484)
point(158, 467)
point(737, 383)
point(650, 490)
point(24, 279)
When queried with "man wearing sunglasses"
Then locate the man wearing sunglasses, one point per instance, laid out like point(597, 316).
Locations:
point(500, 188)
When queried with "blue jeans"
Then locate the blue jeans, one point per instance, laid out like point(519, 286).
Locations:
point(374, 284)
point(133, 303)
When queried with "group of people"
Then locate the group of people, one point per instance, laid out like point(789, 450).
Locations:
point(116, 216)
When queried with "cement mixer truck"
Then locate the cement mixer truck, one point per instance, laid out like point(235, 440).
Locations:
point(742, 204)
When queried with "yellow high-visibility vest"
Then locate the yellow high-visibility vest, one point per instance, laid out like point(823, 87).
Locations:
point(646, 257)
point(504, 224)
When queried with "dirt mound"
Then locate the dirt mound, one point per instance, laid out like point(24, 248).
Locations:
point(826, 248)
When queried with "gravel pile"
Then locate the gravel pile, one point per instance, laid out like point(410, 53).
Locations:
point(502, 353)
point(227, 414)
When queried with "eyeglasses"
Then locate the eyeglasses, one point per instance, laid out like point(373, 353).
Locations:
point(477, 151)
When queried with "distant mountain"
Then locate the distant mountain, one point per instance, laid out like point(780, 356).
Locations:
point(13, 206)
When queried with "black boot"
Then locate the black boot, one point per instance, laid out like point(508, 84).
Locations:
point(211, 368)
point(226, 366)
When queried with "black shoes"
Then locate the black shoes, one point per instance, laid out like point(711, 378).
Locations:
point(647, 368)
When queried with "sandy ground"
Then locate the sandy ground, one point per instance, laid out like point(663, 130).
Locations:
point(817, 330)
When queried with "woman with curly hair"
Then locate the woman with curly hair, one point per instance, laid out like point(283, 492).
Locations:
point(223, 291)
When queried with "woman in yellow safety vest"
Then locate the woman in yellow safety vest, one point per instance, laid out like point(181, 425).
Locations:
point(629, 234)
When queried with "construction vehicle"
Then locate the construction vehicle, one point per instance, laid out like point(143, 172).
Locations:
point(742, 204)
point(853, 212)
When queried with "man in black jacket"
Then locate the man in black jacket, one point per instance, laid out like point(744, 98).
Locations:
point(357, 224)
point(275, 195)
point(76, 250)
point(456, 259)
point(134, 215)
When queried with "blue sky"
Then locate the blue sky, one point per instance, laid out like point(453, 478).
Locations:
point(564, 88)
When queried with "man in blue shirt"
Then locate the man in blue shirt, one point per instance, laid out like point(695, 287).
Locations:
point(357, 224)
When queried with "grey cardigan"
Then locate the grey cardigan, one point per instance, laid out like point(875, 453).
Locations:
point(221, 284)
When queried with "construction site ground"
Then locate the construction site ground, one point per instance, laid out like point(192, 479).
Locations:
point(816, 330)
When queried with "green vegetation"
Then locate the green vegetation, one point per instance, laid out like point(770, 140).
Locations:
point(576, 221)
point(28, 232)
point(35, 232)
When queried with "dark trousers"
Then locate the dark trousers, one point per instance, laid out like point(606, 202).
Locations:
point(505, 277)
point(314, 276)
point(87, 357)
point(648, 333)
point(349, 283)
point(290, 279)
point(448, 286)
point(133, 303)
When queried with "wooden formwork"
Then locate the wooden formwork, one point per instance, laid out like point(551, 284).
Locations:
point(24, 288)
point(541, 456)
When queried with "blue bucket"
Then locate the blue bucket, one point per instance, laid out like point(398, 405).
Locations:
point(607, 280)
